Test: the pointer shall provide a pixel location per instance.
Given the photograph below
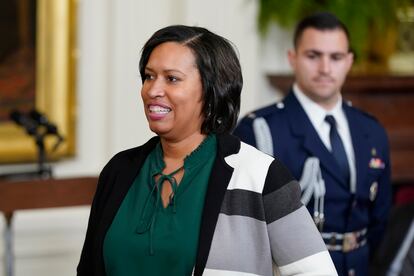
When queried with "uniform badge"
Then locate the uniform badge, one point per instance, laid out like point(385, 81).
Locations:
point(373, 190)
point(376, 163)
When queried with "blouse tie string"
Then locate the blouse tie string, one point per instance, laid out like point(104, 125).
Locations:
point(147, 223)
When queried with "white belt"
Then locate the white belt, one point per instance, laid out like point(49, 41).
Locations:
point(345, 242)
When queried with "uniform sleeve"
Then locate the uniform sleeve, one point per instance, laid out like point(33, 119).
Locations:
point(244, 131)
point(381, 206)
point(296, 245)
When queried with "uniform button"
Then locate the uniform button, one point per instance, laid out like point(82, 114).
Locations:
point(280, 105)
point(354, 204)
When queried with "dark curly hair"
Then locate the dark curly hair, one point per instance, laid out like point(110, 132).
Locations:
point(219, 68)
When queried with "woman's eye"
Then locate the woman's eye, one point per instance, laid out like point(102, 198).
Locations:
point(172, 79)
point(148, 77)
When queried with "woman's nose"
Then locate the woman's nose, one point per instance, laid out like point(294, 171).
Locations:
point(154, 88)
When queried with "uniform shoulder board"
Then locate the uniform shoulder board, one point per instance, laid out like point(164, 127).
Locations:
point(265, 111)
point(366, 114)
point(280, 105)
point(270, 109)
point(251, 115)
point(348, 103)
point(370, 116)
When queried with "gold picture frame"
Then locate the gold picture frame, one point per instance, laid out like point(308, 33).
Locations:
point(54, 84)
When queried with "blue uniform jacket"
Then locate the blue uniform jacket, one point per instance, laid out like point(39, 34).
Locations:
point(294, 140)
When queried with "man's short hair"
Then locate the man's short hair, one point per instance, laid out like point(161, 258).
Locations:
point(322, 21)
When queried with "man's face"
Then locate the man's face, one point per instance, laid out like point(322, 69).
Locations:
point(321, 61)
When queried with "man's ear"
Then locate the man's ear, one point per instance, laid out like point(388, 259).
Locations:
point(291, 55)
point(350, 60)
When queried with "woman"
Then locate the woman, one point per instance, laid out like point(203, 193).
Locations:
point(190, 200)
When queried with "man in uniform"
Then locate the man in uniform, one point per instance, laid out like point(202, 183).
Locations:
point(339, 153)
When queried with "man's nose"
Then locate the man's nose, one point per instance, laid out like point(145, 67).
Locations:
point(325, 65)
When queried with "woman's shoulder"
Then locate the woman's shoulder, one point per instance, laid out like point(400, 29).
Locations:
point(268, 172)
point(128, 156)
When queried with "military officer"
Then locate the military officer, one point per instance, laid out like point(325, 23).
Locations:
point(339, 153)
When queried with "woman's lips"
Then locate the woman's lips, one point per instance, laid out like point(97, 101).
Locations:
point(157, 112)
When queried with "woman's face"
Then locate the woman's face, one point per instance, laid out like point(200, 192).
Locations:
point(172, 92)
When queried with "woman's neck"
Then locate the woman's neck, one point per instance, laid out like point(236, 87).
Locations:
point(176, 150)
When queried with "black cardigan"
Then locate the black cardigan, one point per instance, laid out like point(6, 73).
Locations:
point(113, 184)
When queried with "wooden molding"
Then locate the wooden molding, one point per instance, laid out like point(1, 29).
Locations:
point(46, 193)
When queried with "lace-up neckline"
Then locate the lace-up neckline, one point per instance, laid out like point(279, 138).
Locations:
point(153, 202)
point(148, 225)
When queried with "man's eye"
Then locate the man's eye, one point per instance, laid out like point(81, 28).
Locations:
point(311, 56)
point(337, 57)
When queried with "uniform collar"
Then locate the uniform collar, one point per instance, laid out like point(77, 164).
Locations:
point(315, 112)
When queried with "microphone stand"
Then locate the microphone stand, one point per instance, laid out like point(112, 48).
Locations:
point(44, 171)
point(38, 132)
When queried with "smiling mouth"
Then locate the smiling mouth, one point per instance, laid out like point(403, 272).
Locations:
point(156, 109)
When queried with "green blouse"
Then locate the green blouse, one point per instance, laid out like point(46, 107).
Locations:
point(147, 239)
